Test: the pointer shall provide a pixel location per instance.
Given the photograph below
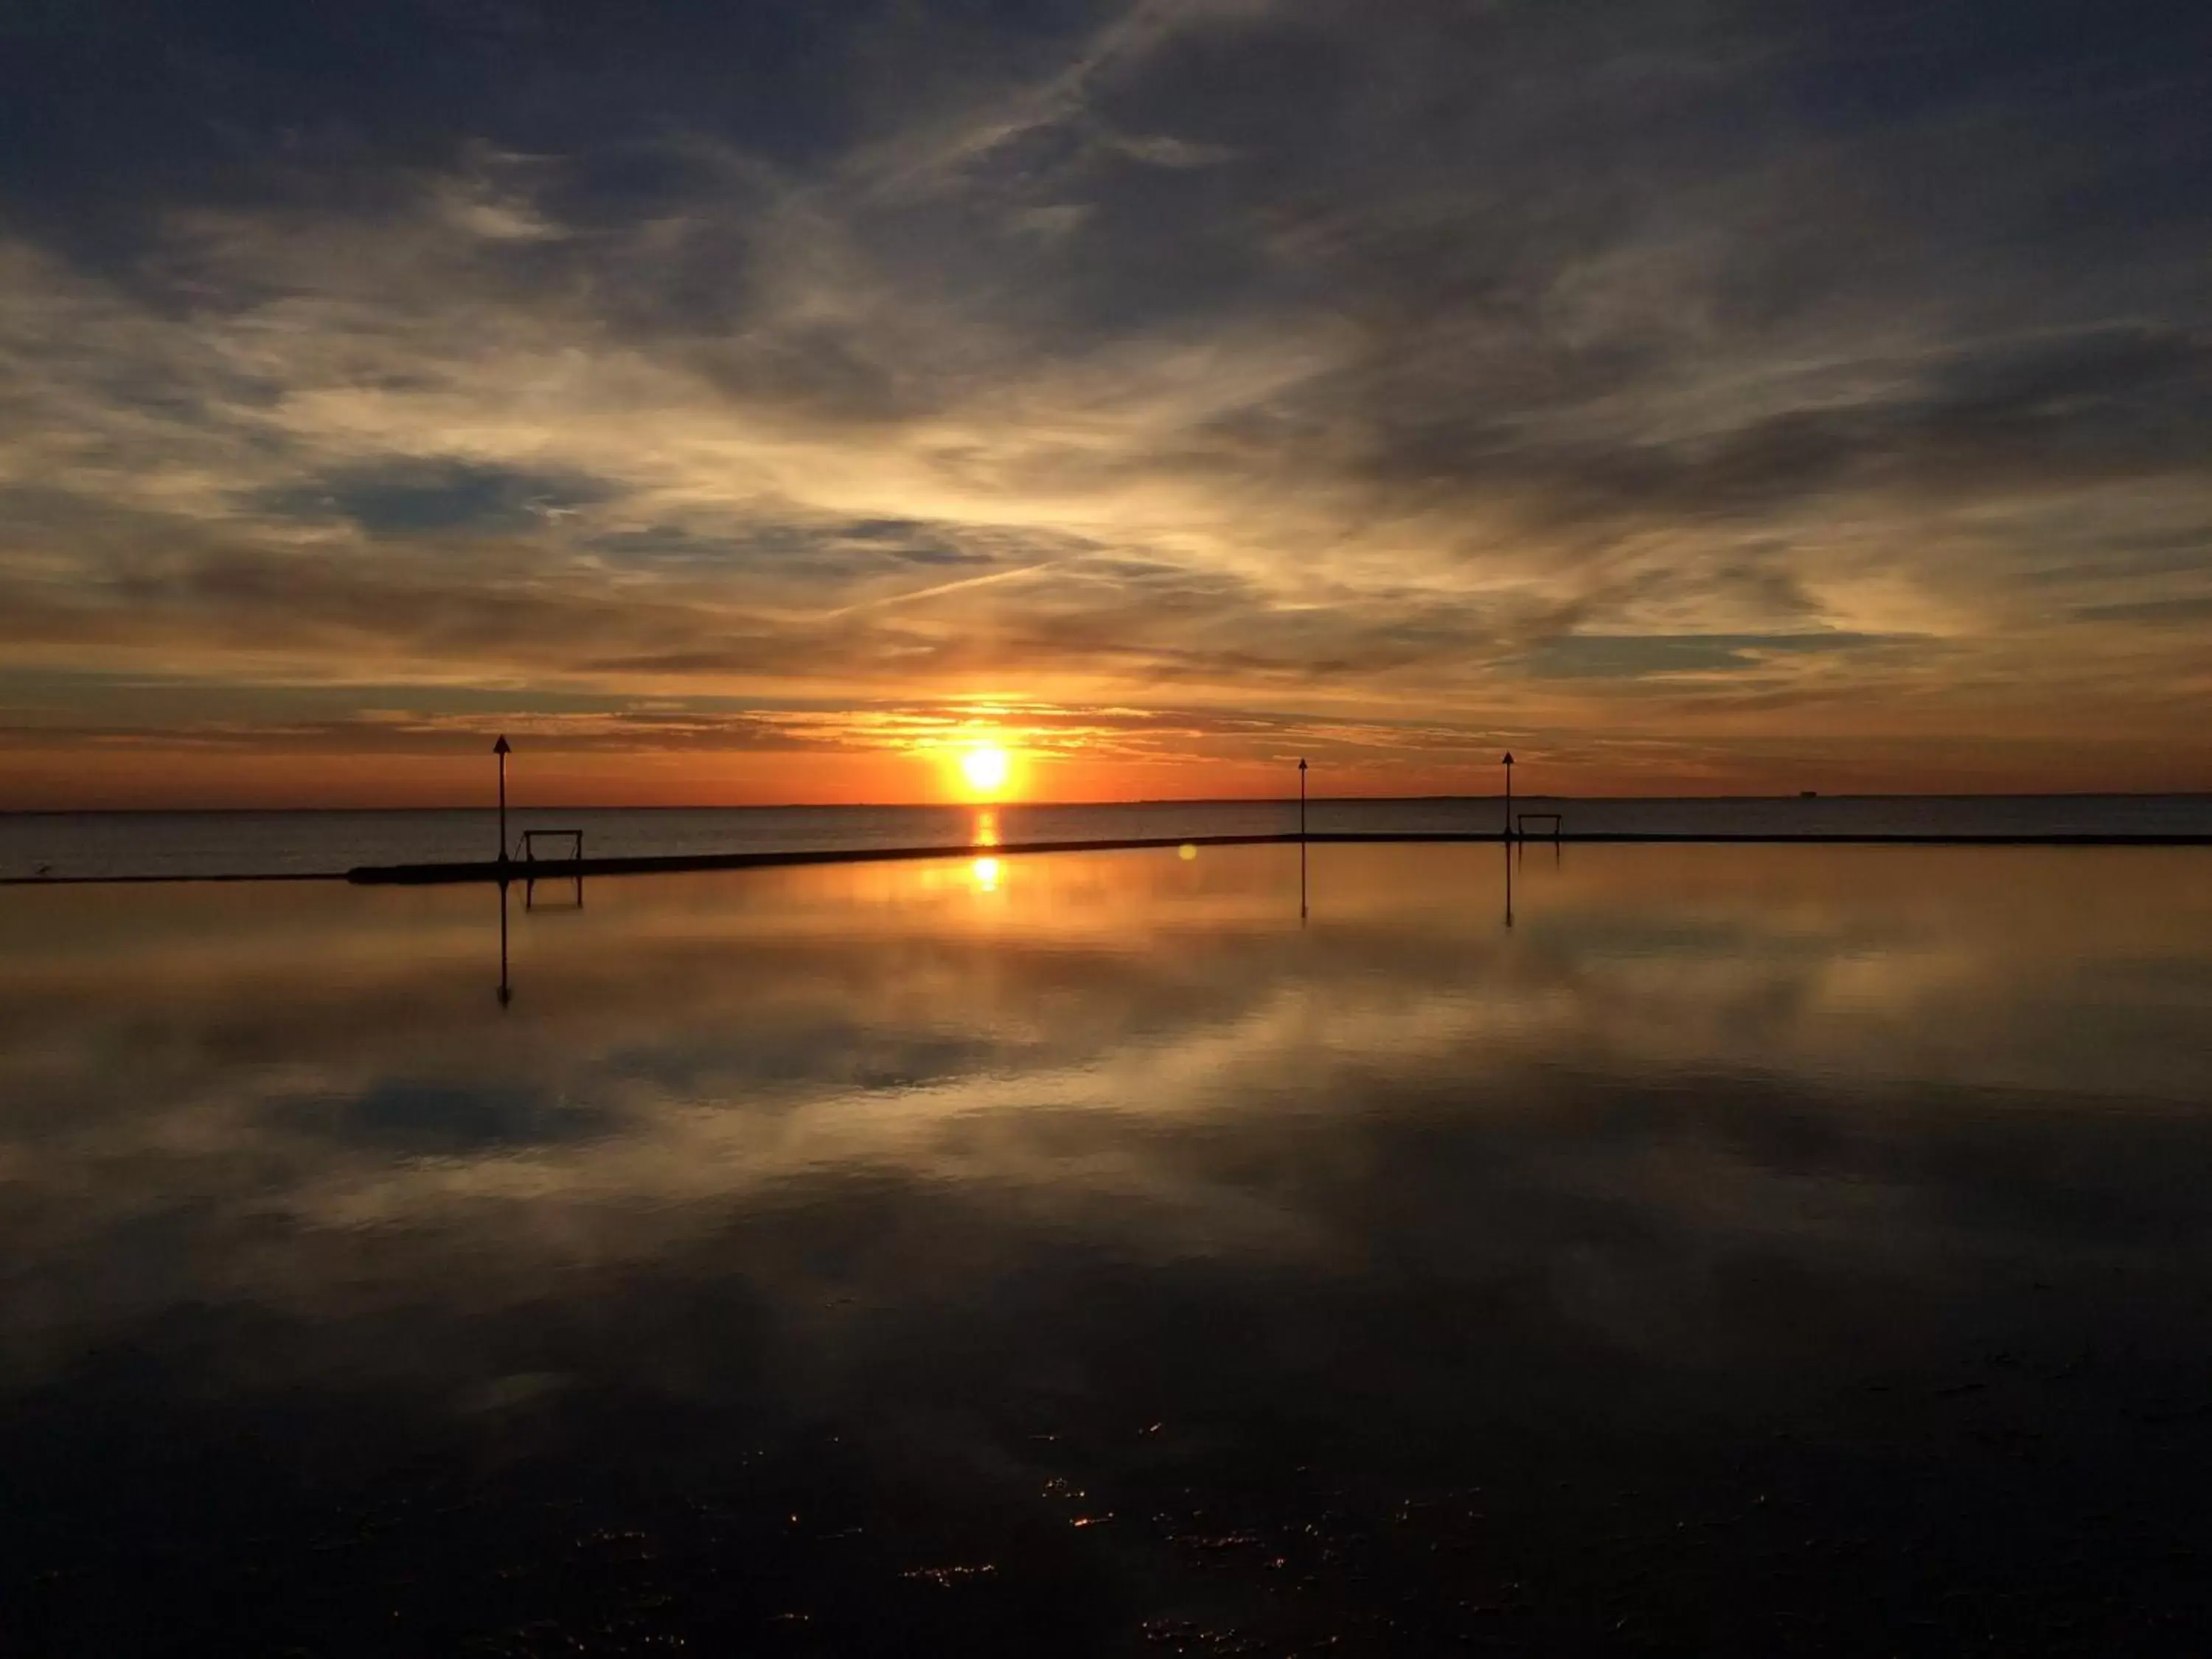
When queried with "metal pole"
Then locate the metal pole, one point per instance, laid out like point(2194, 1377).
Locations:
point(1301, 840)
point(500, 749)
point(1509, 794)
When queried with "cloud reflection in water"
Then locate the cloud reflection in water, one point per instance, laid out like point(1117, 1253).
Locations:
point(1711, 1144)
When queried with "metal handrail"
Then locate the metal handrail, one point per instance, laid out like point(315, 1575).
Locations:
point(575, 838)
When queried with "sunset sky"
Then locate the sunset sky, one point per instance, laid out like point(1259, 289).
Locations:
point(769, 401)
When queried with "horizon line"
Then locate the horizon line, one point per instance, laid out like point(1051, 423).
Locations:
point(1163, 801)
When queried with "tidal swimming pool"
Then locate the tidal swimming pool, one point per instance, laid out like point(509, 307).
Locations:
point(1689, 1249)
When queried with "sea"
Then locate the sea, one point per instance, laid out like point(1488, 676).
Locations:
point(111, 845)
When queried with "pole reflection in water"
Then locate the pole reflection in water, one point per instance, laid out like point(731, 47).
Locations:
point(505, 989)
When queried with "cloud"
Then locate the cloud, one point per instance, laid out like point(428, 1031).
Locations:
point(1231, 355)
point(2176, 612)
point(414, 497)
point(1635, 656)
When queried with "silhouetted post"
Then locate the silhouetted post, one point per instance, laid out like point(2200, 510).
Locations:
point(502, 750)
point(1509, 794)
point(1509, 886)
point(1302, 838)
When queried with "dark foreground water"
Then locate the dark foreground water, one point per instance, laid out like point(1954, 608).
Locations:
point(1752, 1251)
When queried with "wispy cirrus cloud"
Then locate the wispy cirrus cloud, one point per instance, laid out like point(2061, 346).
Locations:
point(1656, 380)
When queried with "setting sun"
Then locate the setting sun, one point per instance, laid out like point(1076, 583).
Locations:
point(985, 769)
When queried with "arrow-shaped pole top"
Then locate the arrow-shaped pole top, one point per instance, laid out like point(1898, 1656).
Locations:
point(502, 747)
point(1302, 762)
point(1508, 757)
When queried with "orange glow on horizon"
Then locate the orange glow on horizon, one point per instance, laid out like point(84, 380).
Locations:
point(547, 773)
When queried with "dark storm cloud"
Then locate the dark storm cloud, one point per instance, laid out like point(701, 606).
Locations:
point(1506, 349)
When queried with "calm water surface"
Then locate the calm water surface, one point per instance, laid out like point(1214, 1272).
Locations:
point(1748, 1251)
